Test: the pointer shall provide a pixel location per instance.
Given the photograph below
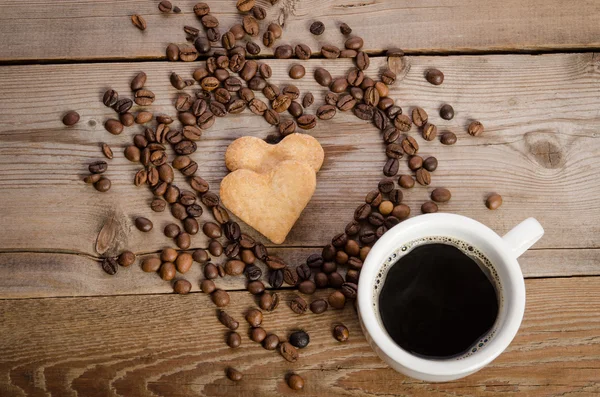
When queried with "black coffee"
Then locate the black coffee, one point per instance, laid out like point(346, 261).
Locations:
point(436, 301)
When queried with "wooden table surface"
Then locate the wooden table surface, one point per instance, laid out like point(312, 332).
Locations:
point(526, 69)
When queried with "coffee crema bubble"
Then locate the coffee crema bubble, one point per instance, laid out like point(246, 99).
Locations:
point(450, 344)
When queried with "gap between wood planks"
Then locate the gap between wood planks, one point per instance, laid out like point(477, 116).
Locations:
point(372, 54)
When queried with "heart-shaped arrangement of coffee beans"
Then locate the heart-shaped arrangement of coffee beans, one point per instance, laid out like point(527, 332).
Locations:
point(258, 190)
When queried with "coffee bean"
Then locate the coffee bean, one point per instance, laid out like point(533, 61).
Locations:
point(258, 334)
point(144, 97)
point(238, 31)
point(396, 196)
point(326, 112)
point(345, 102)
point(220, 298)
point(354, 43)
point(271, 342)
point(171, 230)
point(143, 224)
point(430, 164)
point(259, 12)
point(192, 31)
point(307, 121)
point(206, 120)
point(281, 103)
point(388, 77)
point(391, 135)
point(423, 177)
point(382, 89)
point(323, 77)
point(237, 63)
point(183, 262)
point(109, 99)
point(260, 251)
point(447, 112)
point(308, 100)
point(307, 287)
point(127, 258)
point(475, 128)
point(245, 5)
point(257, 84)
point(349, 290)
point(199, 184)
point(429, 132)
point(271, 91)
point(234, 340)
point(297, 71)
point(367, 236)
point(141, 177)
point(210, 271)
point(253, 273)
point(402, 123)
point(448, 138)
point(385, 103)
point(321, 281)
point(194, 210)
point(415, 162)
point(233, 84)
point(191, 226)
point(71, 118)
point(287, 127)
point(233, 374)
point(363, 111)
point(138, 81)
point(317, 28)
point(269, 302)
point(138, 21)
point(429, 207)
point(249, 70)
point(300, 339)
point(252, 48)
point(441, 195)
point(419, 116)
point(345, 29)
point(109, 265)
point(250, 25)
point(254, 317)
point(246, 94)
point(143, 117)
point(410, 145)
point(385, 186)
point(98, 167)
point(376, 219)
point(269, 39)
point(391, 167)
point(247, 257)
point(341, 333)
point(227, 320)
point(151, 265)
point(361, 213)
point(172, 52)
point(362, 60)
point(113, 126)
point(371, 96)
point(494, 201)
point(352, 248)
point(355, 77)
point(276, 278)
point(284, 51)
point(434, 76)
point(335, 280)
point(201, 9)
point(247, 242)
point(380, 119)
point(330, 51)
point(298, 305)
point(295, 109)
point(184, 102)
point(185, 147)
point(337, 300)
point(213, 34)
point(302, 51)
point(234, 267)
point(168, 255)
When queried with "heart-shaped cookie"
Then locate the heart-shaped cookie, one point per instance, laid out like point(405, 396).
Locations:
point(255, 154)
point(270, 202)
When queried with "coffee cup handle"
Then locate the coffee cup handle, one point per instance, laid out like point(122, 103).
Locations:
point(521, 237)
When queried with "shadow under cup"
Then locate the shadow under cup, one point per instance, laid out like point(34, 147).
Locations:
point(438, 298)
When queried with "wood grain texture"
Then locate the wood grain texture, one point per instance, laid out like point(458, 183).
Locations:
point(540, 150)
point(174, 346)
point(88, 29)
point(39, 275)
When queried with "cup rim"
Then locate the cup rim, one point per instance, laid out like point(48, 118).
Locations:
point(451, 366)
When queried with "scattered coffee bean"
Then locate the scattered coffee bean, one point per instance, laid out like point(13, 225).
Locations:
point(234, 374)
point(288, 352)
point(113, 126)
point(102, 185)
point(402, 123)
point(284, 51)
point(109, 265)
point(430, 164)
point(234, 340)
point(354, 43)
point(259, 12)
point(300, 339)
point(182, 287)
point(410, 146)
point(271, 342)
point(172, 52)
point(317, 28)
point(72, 117)
point(211, 271)
point(345, 29)
point(394, 151)
point(429, 132)
point(434, 76)
point(337, 300)
point(447, 112)
point(307, 287)
point(234, 267)
point(419, 117)
point(494, 201)
point(258, 334)
point(363, 111)
point(429, 207)
point(276, 278)
point(297, 72)
point(298, 305)
point(415, 162)
point(340, 332)
point(320, 305)
point(475, 128)
point(183, 240)
point(109, 99)
point(295, 382)
point(183, 262)
point(144, 97)
point(138, 21)
point(362, 60)
point(448, 138)
point(220, 298)
point(330, 51)
point(167, 271)
point(423, 177)
point(201, 9)
point(441, 195)
point(323, 77)
point(391, 167)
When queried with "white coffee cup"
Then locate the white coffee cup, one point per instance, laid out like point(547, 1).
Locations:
point(502, 252)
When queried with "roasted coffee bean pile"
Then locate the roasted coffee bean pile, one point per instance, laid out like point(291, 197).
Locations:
point(226, 84)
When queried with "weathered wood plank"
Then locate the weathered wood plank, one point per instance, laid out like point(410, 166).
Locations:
point(88, 29)
point(540, 150)
point(40, 275)
point(174, 346)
